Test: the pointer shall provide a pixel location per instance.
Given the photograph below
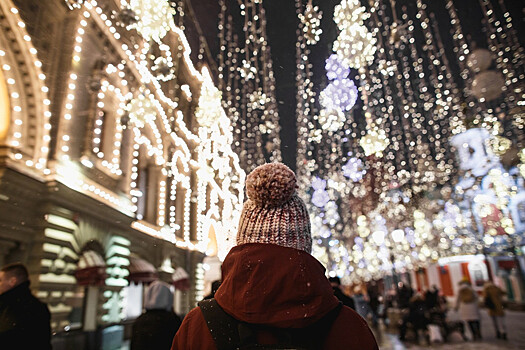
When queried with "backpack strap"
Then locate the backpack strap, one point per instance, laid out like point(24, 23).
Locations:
point(230, 333)
point(222, 326)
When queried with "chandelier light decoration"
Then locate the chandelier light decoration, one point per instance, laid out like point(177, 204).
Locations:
point(247, 82)
point(355, 45)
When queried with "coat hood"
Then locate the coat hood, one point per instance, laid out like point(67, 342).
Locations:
point(275, 286)
point(158, 297)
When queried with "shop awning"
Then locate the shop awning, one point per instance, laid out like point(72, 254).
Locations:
point(141, 271)
point(181, 279)
point(91, 269)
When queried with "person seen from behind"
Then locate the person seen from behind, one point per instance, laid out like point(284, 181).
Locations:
point(493, 296)
point(24, 320)
point(417, 317)
point(361, 303)
point(156, 327)
point(335, 282)
point(273, 292)
point(467, 305)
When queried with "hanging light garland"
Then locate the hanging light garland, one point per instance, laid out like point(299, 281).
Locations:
point(311, 20)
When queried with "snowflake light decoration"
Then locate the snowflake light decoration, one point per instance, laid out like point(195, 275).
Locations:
point(258, 99)
point(318, 183)
point(336, 69)
point(320, 197)
point(163, 69)
point(311, 23)
point(247, 71)
point(155, 18)
point(141, 110)
point(339, 94)
point(374, 142)
point(355, 45)
point(354, 169)
point(331, 119)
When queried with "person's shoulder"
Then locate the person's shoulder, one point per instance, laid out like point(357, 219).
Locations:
point(348, 315)
point(350, 331)
point(194, 321)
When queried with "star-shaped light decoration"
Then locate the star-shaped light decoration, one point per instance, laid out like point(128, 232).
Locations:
point(374, 142)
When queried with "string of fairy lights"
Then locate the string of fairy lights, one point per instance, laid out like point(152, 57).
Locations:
point(247, 82)
point(22, 55)
point(392, 190)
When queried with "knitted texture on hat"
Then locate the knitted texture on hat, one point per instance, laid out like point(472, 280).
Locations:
point(273, 212)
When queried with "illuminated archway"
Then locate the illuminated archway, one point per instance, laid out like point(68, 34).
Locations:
point(24, 108)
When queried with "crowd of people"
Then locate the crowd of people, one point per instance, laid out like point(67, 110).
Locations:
point(427, 313)
point(272, 292)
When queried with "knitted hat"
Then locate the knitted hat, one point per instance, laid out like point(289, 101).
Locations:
point(273, 212)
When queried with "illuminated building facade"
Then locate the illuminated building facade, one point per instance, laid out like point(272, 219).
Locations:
point(116, 164)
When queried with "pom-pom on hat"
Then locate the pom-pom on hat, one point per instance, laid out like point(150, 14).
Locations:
point(273, 212)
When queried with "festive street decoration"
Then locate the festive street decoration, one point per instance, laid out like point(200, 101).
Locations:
point(311, 20)
point(339, 95)
point(423, 149)
point(336, 69)
point(355, 45)
point(375, 142)
point(155, 18)
point(354, 169)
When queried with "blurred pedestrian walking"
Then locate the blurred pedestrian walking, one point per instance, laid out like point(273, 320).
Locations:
point(156, 328)
point(493, 300)
point(335, 282)
point(467, 305)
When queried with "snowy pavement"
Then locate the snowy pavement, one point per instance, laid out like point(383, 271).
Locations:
point(515, 331)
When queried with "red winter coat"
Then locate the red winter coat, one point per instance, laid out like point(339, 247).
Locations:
point(279, 287)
